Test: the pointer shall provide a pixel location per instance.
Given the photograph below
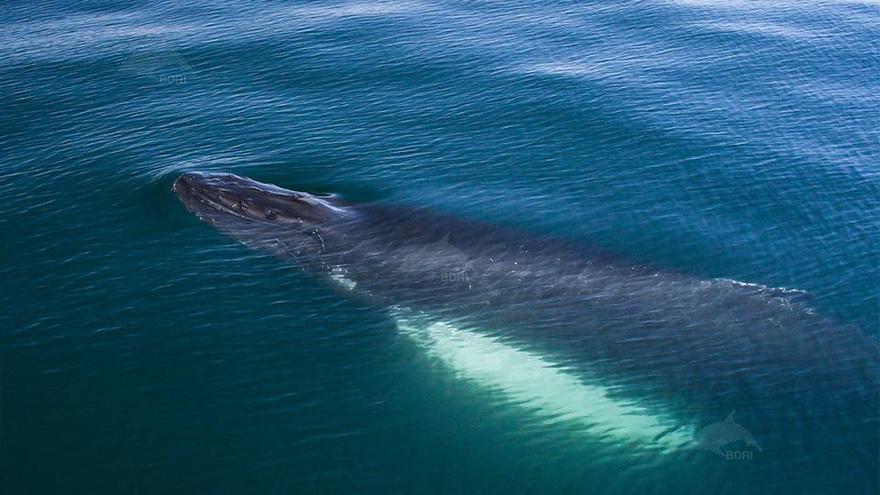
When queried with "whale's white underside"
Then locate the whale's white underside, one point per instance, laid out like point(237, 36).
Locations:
point(537, 385)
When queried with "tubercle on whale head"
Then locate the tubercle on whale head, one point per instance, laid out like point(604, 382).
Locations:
point(218, 197)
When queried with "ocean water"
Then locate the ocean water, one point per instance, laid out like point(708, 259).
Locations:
point(143, 352)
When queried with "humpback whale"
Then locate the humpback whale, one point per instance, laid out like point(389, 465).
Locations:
point(634, 353)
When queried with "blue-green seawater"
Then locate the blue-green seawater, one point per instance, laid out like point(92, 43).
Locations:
point(143, 352)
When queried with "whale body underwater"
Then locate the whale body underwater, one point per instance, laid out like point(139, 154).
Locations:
point(645, 358)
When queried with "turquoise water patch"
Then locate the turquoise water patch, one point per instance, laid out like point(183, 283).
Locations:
point(142, 352)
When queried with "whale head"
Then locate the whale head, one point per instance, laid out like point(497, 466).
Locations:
point(262, 215)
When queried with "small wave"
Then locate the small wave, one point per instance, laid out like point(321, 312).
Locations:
point(767, 29)
point(785, 293)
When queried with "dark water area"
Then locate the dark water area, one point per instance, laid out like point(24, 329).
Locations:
point(143, 352)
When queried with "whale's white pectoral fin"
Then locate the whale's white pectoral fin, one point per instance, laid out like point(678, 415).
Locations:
point(535, 383)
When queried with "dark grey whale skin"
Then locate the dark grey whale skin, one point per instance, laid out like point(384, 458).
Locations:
point(710, 346)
